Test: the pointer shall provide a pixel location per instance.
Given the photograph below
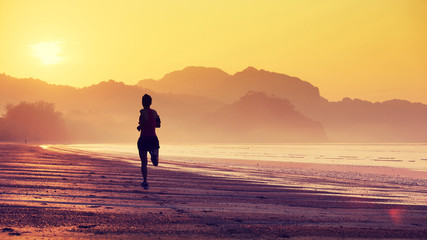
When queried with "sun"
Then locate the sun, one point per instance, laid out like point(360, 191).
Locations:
point(48, 52)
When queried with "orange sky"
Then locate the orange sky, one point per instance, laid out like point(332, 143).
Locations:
point(369, 49)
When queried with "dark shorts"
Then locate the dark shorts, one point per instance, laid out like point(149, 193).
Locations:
point(146, 143)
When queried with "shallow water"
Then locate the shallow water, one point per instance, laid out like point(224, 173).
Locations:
point(395, 172)
point(408, 156)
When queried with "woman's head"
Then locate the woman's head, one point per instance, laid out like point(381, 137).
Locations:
point(146, 101)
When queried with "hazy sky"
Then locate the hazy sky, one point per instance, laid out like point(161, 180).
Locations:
point(369, 49)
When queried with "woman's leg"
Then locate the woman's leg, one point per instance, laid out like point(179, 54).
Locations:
point(154, 156)
point(143, 156)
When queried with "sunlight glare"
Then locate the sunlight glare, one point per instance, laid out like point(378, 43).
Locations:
point(48, 52)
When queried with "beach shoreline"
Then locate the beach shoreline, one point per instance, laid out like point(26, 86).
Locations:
point(409, 185)
point(53, 194)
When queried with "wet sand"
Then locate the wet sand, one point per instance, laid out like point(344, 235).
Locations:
point(50, 194)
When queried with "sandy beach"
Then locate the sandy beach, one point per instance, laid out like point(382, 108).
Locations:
point(48, 194)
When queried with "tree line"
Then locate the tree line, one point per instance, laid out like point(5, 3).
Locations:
point(37, 121)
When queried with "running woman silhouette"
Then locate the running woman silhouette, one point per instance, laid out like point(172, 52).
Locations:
point(149, 120)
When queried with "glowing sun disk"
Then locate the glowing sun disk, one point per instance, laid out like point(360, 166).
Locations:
point(48, 52)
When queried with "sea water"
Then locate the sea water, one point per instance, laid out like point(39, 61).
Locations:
point(407, 156)
point(367, 170)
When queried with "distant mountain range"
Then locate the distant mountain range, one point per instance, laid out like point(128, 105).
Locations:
point(199, 104)
point(216, 84)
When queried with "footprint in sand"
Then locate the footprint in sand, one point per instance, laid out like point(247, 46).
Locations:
point(11, 231)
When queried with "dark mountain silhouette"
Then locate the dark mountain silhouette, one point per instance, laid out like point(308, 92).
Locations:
point(344, 121)
point(199, 81)
point(207, 104)
point(109, 111)
point(355, 120)
point(256, 117)
point(14, 90)
point(216, 84)
point(300, 93)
